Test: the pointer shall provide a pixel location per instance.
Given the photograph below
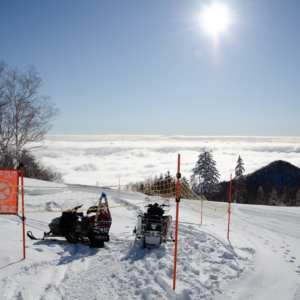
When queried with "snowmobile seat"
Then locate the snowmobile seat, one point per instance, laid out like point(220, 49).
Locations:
point(155, 210)
point(154, 218)
point(67, 222)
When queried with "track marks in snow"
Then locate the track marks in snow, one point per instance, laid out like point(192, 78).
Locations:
point(123, 270)
point(47, 276)
point(287, 255)
point(207, 271)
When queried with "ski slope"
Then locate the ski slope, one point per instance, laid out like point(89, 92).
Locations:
point(261, 259)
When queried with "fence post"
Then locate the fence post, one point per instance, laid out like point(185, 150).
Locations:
point(229, 204)
point(178, 175)
point(23, 214)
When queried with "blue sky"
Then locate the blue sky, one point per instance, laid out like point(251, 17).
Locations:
point(147, 67)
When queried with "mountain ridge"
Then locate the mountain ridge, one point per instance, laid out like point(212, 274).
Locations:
point(279, 177)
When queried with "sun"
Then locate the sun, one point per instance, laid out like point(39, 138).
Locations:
point(215, 18)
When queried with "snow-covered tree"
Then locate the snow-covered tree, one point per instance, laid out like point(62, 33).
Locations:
point(207, 173)
point(239, 185)
point(261, 199)
point(298, 198)
point(185, 180)
point(273, 200)
point(284, 199)
point(193, 183)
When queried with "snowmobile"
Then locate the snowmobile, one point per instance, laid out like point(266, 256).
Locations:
point(91, 229)
point(154, 226)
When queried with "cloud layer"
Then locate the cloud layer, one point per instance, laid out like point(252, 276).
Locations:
point(105, 159)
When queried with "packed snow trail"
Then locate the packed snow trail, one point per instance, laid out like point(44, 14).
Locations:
point(123, 270)
point(273, 233)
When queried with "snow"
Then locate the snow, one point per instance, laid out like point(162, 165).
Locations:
point(261, 259)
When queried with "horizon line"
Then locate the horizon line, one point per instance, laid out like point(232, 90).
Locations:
point(134, 137)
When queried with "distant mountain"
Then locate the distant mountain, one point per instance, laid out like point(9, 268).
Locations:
point(278, 173)
point(280, 178)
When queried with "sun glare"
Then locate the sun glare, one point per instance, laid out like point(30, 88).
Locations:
point(215, 18)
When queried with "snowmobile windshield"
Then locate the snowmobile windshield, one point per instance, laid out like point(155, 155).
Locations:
point(166, 206)
point(70, 205)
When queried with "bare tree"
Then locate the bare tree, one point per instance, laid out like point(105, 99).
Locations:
point(27, 113)
point(6, 134)
point(2, 82)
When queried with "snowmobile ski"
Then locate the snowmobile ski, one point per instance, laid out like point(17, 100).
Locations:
point(32, 237)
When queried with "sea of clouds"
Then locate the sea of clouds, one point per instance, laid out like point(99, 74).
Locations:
point(105, 159)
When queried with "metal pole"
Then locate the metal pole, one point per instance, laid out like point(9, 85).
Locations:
point(176, 230)
point(201, 207)
point(23, 214)
point(229, 204)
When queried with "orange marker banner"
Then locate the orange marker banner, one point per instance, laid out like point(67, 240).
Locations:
point(9, 191)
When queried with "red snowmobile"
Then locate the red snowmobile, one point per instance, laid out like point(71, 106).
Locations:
point(77, 228)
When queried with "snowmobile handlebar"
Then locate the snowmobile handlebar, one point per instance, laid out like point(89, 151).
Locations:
point(149, 205)
point(73, 210)
point(77, 207)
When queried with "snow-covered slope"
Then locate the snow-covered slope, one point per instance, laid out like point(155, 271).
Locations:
point(261, 260)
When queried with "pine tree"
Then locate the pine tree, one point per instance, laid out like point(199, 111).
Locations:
point(160, 183)
point(239, 184)
point(185, 180)
point(261, 199)
point(208, 174)
point(155, 184)
point(284, 200)
point(273, 200)
point(168, 175)
point(193, 183)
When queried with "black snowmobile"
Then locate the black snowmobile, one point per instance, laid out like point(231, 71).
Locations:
point(91, 229)
point(154, 226)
